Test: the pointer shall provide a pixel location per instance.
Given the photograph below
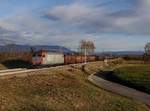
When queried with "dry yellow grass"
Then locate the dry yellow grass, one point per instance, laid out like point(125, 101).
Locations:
point(63, 89)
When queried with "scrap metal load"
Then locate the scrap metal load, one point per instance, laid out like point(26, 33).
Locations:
point(54, 58)
point(72, 59)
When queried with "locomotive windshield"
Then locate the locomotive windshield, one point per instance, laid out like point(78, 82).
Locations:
point(37, 54)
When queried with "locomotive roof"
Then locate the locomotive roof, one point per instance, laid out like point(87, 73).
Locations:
point(47, 51)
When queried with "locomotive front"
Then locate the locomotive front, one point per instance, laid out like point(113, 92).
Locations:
point(37, 58)
point(47, 58)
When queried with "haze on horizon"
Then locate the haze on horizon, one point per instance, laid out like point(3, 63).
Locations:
point(112, 24)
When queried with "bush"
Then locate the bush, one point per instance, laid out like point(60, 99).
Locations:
point(133, 57)
point(25, 56)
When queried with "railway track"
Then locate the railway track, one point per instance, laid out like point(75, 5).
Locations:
point(12, 71)
point(19, 71)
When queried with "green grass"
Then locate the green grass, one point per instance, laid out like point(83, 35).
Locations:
point(64, 89)
point(137, 76)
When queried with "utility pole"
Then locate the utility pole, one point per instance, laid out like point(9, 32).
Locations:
point(86, 47)
point(85, 55)
point(85, 62)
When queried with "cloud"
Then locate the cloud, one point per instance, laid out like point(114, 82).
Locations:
point(67, 24)
point(74, 12)
point(99, 19)
point(10, 37)
point(34, 29)
point(27, 28)
point(79, 15)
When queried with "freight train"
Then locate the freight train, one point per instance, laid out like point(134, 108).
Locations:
point(43, 58)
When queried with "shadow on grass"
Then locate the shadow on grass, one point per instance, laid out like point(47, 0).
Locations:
point(10, 64)
point(111, 76)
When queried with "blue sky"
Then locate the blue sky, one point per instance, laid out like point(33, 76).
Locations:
point(111, 24)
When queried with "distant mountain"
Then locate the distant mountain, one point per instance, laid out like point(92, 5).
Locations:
point(26, 48)
point(122, 53)
point(129, 53)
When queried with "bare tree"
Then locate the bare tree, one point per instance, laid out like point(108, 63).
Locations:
point(86, 46)
point(147, 53)
point(147, 49)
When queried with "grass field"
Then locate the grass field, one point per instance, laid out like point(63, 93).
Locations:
point(136, 76)
point(63, 89)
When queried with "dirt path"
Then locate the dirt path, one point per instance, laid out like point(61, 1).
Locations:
point(119, 89)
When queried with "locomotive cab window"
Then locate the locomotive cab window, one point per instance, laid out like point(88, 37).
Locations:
point(43, 55)
point(39, 55)
point(35, 54)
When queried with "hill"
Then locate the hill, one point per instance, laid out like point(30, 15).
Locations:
point(121, 53)
point(27, 48)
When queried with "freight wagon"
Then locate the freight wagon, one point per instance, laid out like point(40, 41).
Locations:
point(15, 56)
point(55, 58)
point(72, 59)
point(91, 58)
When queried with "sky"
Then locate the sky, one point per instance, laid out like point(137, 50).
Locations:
point(113, 25)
